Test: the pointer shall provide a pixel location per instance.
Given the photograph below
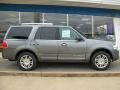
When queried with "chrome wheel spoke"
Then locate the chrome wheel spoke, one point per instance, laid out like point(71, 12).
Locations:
point(101, 61)
point(26, 61)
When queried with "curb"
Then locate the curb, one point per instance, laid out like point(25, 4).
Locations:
point(57, 74)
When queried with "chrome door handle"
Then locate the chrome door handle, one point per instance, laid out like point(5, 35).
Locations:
point(35, 44)
point(64, 44)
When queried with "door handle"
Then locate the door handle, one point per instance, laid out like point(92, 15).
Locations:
point(64, 44)
point(32, 43)
point(35, 44)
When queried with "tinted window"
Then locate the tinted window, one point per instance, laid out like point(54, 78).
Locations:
point(46, 33)
point(19, 33)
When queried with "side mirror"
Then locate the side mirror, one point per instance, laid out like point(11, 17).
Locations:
point(78, 39)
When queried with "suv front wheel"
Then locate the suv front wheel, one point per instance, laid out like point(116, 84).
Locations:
point(26, 61)
point(101, 60)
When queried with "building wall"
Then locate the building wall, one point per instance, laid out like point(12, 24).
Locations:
point(117, 32)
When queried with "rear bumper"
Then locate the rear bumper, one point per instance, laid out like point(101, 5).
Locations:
point(7, 54)
point(115, 55)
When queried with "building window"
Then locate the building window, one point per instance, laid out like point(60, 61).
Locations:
point(55, 18)
point(92, 26)
point(7, 19)
point(27, 17)
point(82, 23)
point(103, 27)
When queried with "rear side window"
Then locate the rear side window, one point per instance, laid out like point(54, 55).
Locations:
point(47, 33)
point(19, 33)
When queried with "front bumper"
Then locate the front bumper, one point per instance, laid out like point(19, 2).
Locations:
point(115, 55)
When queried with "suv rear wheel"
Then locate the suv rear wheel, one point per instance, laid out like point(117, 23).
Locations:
point(101, 60)
point(26, 61)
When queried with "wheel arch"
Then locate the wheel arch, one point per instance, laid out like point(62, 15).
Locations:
point(25, 50)
point(101, 49)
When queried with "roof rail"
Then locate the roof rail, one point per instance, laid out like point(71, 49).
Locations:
point(37, 23)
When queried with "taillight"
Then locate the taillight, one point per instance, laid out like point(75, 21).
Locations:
point(4, 44)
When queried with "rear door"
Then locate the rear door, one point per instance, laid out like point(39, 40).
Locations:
point(46, 43)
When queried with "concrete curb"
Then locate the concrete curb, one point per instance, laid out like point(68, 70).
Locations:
point(57, 74)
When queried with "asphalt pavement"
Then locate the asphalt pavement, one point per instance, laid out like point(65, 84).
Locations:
point(21, 81)
point(6, 65)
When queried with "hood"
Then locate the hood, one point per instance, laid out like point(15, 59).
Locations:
point(98, 41)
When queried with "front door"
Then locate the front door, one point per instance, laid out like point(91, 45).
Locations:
point(69, 47)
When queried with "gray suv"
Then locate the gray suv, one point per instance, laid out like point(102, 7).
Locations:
point(29, 44)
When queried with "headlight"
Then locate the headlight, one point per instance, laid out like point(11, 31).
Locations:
point(115, 47)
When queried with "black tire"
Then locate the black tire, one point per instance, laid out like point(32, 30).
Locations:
point(33, 60)
point(95, 62)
